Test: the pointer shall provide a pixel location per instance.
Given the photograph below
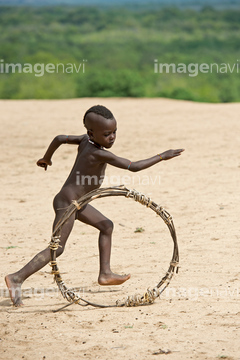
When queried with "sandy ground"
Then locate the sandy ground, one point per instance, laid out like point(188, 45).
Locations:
point(198, 316)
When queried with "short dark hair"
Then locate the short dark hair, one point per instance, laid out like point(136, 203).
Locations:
point(99, 110)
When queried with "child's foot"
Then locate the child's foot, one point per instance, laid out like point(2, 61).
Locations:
point(14, 289)
point(112, 279)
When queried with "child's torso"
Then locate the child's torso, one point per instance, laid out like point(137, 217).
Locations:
point(87, 173)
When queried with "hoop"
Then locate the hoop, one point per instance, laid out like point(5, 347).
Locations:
point(151, 294)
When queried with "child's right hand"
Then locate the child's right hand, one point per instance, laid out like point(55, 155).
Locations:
point(169, 154)
point(44, 163)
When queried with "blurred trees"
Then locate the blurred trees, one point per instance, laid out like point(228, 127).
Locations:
point(118, 48)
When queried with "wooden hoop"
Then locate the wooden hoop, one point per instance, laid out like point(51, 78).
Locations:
point(151, 294)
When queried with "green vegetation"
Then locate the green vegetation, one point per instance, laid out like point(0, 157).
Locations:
point(139, 230)
point(114, 50)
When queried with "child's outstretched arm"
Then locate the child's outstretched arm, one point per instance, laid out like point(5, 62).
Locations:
point(57, 141)
point(134, 166)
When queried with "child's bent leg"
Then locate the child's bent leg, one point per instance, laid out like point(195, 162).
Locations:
point(89, 215)
point(14, 281)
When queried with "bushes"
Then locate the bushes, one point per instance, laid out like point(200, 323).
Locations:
point(115, 83)
point(120, 47)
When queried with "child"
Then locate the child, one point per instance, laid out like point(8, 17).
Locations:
point(91, 161)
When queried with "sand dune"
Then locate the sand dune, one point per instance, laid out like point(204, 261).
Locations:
point(198, 316)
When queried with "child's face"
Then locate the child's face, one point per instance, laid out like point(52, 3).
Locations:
point(104, 132)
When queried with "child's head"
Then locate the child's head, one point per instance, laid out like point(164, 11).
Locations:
point(101, 125)
point(99, 110)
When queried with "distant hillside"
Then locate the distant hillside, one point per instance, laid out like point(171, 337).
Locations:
point(82, 51)
point(128, 3)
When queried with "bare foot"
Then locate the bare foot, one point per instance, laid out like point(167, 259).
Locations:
point(112, 279)
point(14, 289)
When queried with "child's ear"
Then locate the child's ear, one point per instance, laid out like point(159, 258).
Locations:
point(90, 133)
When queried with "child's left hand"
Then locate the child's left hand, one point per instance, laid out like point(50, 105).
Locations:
point(169, 154)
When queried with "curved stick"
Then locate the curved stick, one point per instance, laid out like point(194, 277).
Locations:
point(150, 295)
